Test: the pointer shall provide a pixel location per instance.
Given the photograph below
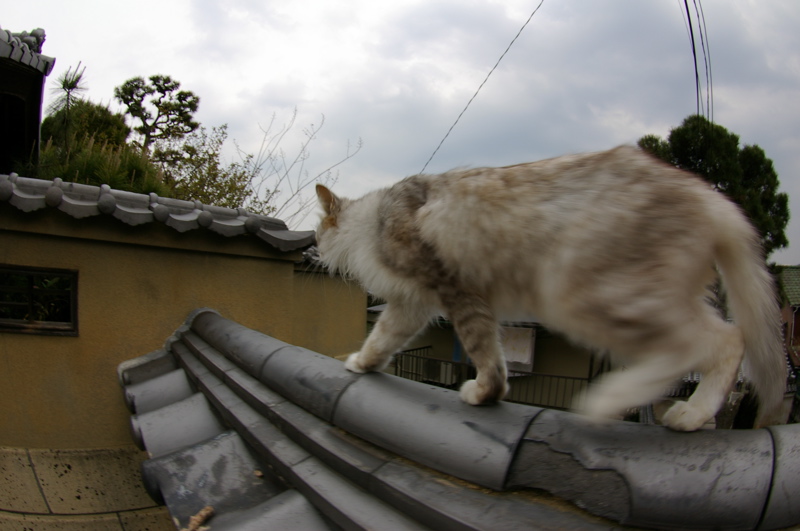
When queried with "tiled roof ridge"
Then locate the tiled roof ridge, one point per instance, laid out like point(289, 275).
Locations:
point(83, 200)
point(302, 414)
point(790, 277)
point(17, 47)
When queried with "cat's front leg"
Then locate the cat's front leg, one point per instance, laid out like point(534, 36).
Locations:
point(353, 363)
point(477, 329)
point(489, 386)
point(396, 326)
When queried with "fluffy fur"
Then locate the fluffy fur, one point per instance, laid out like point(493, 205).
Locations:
point(614, 249)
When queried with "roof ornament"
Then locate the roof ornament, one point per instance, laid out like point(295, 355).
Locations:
point(33, 40)
point(106, 203)
point(54, 195)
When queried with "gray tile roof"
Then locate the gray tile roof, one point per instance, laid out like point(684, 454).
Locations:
point(21, 49)
point(81, 201)
point(276, 436)
point(790, 278)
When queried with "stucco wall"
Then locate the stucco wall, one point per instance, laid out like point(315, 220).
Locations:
point(136, 286)
point(331, 313)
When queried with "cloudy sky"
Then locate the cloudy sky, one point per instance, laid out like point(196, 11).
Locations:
point(584, 74)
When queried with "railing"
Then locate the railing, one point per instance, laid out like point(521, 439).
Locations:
point(416, 364)
point(544, 390)
point(686, 387)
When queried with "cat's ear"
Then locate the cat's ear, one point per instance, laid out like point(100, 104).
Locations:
point(330, 203)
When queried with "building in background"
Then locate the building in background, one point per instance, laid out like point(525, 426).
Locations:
point(23, 69)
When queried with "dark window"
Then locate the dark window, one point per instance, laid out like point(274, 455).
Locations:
point(38, 300)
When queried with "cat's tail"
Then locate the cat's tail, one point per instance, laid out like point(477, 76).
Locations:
point(754, 306)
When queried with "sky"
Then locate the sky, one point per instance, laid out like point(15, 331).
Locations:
point(584, 75)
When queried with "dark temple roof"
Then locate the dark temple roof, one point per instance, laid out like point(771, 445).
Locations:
point(81, 201)
point(276, 436)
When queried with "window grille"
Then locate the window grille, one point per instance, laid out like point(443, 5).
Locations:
point(38, 300)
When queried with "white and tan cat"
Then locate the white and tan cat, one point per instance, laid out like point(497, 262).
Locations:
point(614, 249)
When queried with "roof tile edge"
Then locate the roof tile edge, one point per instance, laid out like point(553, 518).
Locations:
point(81, 200)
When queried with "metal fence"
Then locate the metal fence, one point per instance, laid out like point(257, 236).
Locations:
point(416, 364)
point(544, 390)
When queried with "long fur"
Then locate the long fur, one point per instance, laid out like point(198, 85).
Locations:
point(614, 249)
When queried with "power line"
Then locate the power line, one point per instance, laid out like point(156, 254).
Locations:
point(481, 86)
point(703, 32)
point(683, 15)
point(701, 17)
point(694, 55)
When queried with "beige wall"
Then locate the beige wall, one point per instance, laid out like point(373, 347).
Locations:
point(441, 339)
point(556, 355)
point(135, 289)
point(331, 314)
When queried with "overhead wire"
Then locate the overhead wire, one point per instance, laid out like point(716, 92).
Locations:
point(683, 15)
point(481, 86)
point(702, 29)
point(706, 49)
point(701, 26)
point(694, 55)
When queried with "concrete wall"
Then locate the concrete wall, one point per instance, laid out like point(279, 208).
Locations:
point(136, 286)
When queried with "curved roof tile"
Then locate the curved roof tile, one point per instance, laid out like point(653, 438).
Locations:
point(376, 451)
point(82, 201)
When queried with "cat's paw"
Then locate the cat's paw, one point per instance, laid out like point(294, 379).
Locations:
point(360, 363)
point(471, 393)
point(475, 394)
point(354, 364)
point(683, 416)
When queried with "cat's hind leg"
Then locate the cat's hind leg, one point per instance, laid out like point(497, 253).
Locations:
point(720, 349)
point(642, 380)
point(705, 343)
point(395, 327)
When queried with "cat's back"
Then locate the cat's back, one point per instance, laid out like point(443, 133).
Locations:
point(484, 219)
point(567, 179)
point(548, 194)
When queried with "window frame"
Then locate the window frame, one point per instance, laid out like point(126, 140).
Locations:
point(31, 293)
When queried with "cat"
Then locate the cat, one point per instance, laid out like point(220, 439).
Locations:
point(614, 249)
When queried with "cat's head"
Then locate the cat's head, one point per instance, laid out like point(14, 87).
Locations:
point(329, 224)
point(331, 207)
